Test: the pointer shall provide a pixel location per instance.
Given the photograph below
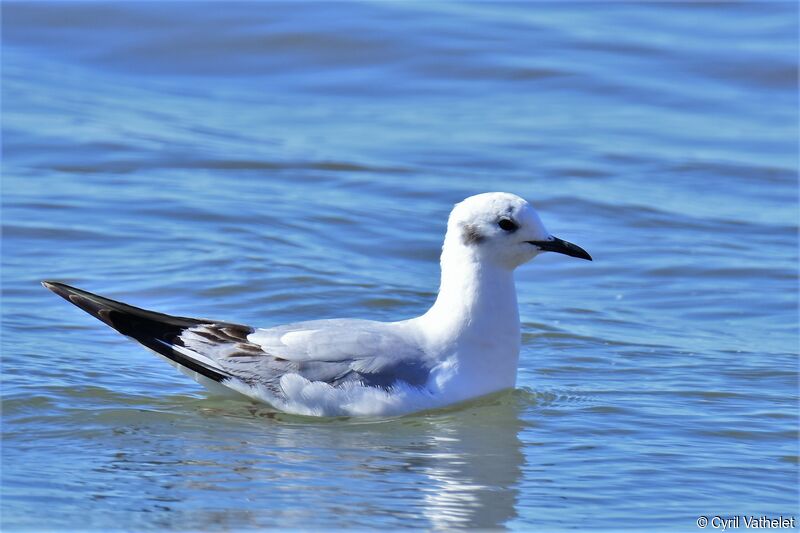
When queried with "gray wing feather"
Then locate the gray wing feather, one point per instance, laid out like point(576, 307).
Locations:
point(331, 351)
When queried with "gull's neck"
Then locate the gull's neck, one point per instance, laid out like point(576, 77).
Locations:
point(475, 318)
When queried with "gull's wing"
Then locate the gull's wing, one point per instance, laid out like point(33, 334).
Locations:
point(334, 352)
point(329, 351)
point(335, 340)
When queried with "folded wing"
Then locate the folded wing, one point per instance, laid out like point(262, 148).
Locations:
point(329, 351)
point(335, 352)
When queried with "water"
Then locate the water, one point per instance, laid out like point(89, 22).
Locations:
point(264, 163)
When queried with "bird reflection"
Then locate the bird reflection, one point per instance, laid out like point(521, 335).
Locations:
point(474, 464)
point(459, 468)
point(466, 463)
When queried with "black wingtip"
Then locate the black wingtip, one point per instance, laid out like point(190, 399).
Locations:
point(75, 296)
point(100, 306)
point(59, 288)
point(156, 331)
point(65, 291)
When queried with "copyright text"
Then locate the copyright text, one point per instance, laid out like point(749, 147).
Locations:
point(724, 523)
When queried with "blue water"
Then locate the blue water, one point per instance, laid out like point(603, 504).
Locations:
point(265, 162)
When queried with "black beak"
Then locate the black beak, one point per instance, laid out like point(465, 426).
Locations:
point(554, 244)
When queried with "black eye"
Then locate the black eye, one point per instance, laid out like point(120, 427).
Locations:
point(507, 224)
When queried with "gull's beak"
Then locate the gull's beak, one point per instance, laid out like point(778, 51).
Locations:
point(554, 244)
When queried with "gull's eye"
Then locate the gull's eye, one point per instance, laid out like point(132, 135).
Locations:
point(506, 224)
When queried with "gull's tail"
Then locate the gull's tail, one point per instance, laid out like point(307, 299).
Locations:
point(156, 331)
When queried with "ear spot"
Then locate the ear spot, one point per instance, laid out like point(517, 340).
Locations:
point(471, 235)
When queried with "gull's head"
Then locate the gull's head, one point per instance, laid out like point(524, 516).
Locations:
point(504, 229)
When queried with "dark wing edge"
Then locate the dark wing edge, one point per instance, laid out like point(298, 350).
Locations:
point(156, 331)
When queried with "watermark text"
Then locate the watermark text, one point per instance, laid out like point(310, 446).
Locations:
point(725, 523)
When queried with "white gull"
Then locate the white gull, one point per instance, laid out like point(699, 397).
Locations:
point(466, 345)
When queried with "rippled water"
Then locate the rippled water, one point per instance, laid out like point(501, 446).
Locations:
point(263, 163)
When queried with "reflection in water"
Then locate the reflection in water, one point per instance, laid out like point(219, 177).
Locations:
point(455, 468)
point(474, 466)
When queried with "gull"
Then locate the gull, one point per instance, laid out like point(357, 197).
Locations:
point(465, 346)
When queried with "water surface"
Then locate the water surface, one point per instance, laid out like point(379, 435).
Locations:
point(266, 162)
